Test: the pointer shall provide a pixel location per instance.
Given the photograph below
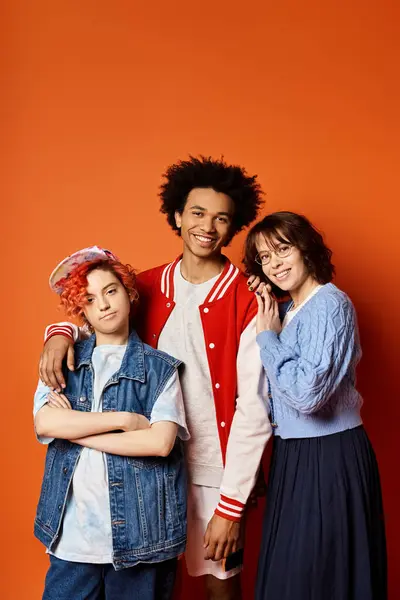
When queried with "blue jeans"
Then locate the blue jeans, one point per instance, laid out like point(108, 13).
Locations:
point(67, 580)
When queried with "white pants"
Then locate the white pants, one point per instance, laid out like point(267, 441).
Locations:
point(202, 502)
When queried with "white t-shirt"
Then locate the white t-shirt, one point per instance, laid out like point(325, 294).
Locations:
point(86, 528)
point(183, 337)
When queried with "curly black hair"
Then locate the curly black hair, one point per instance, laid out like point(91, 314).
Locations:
point(206, 172)
point(290, 227)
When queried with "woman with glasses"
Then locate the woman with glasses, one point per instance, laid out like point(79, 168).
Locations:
point(323, 536)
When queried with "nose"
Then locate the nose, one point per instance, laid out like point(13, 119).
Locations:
point(207, 224)
point(275, 261)
point(104, 303)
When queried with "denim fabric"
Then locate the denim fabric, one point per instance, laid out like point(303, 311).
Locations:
point(83, 581)
point(147, 495)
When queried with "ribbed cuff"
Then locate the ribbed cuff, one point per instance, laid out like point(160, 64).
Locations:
point(230, 509)
point(64, 330)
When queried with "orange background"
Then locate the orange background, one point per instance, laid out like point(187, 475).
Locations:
point(99, 97)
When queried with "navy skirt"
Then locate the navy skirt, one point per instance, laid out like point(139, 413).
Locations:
point(323, 533)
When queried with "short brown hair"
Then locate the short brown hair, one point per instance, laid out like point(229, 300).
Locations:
point(290, 227)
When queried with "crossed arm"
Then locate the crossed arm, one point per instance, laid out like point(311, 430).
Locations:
point(123, 433)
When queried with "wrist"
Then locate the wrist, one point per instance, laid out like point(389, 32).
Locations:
point(122, 421)
point(58, 329)
point(230, 509)
point(60, 334)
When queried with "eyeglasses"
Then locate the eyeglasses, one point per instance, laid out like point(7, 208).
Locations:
point(281, 251)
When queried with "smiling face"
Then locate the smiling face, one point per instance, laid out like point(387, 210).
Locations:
point(206, 222)
point(107, 306)
point(282, 263)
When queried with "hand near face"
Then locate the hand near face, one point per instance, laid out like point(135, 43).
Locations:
point(255, 284)
point(268, 314)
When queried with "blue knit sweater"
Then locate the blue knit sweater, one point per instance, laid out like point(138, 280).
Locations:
point(311, 368)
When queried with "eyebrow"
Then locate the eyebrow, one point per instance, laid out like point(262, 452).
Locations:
point(102, 289)
point(227, 214)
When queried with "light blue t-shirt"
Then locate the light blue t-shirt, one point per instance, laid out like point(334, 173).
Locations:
point(86, 528)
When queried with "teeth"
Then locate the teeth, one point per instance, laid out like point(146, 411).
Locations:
point(282, 274)
point(203, 239)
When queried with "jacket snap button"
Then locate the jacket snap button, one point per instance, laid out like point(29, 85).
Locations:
point(168, 304)
point(82, 399)
point(217, 386)
point(222, 423)
point(211, 345)
point(65, 470)
point(206, 310)
point(154, 335)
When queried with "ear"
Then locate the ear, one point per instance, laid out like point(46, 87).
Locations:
point(178, 219)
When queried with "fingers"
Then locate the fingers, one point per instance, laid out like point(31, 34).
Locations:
point(211, 549)
point(266, 299)
point(56, 400)
point(43, 369)
point(229, 548)
point(50, 374)
point(260, 303)
point(253, 282)
point(71, 358)
point(50, 368)
point(207, 539)
point(58, 374)
point(53, 403)
point(261, 286)
point(219, 551)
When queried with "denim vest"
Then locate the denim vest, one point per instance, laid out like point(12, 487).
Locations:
point(147, 495)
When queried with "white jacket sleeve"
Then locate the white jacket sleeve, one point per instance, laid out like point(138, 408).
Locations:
point(250, 430)
point(70, 330)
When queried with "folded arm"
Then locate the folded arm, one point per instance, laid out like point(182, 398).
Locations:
point(157, 440)
point(54, 418)
point(71, 424)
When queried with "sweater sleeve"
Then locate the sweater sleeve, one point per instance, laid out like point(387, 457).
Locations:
point(316, 355)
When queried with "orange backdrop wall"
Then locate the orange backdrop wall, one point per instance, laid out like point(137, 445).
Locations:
point(99, 97)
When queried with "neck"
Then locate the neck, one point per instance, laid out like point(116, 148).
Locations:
point(117, 338)
point(303, 291)
point(198, 270)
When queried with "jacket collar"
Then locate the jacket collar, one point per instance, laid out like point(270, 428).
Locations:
point(219, 289)
point(132, 366)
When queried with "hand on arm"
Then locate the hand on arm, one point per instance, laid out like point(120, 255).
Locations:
point(155, 440)
point(59, 342)
point(50, 366)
